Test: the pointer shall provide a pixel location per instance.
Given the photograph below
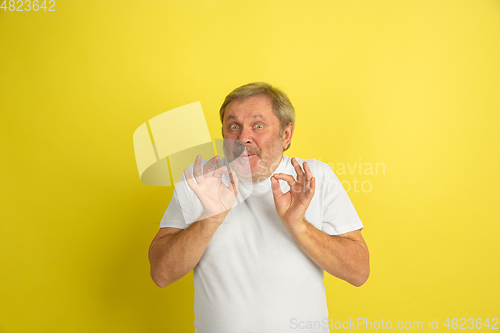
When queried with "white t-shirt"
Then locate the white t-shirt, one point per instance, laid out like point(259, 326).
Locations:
point(253, 277)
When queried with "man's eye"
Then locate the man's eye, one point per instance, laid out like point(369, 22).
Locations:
point(259, 126)
point(233, 127)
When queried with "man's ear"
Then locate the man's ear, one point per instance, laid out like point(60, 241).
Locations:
point(287, 136)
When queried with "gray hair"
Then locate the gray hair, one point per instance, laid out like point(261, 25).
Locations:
point(282, 107)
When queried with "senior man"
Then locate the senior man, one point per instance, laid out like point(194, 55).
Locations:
point(258, 228)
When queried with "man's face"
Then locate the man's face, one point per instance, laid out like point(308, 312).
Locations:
point(252, 143)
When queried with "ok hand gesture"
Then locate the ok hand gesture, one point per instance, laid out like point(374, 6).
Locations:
point(292, 205)
point(214, 195)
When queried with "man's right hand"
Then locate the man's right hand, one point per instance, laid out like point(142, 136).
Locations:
point(215, 197)
point(174, 252)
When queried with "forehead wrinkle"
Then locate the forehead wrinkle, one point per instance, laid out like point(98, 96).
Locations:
point(255, 116)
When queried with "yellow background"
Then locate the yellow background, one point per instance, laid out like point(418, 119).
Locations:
point(411, 84)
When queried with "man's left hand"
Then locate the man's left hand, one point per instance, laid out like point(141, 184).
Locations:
point(292, 205)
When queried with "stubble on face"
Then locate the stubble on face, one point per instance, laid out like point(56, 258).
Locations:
point(268, 160)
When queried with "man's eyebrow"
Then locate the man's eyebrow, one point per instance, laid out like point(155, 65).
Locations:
point(253, 116)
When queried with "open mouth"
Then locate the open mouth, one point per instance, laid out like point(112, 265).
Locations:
point(236, 150)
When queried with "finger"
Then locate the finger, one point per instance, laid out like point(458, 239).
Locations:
point(234, 182)
point(209, 166)
point(311, 189)
point(298, 170)
point(197, 168)
point(287, 178)
point(276, 188)
point(221, 171)
point(309, 174)
point(191, 183)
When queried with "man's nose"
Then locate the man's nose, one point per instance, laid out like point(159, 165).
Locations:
point(246, 135)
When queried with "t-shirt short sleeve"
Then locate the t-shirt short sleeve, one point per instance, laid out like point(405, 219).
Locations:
point(339, 214)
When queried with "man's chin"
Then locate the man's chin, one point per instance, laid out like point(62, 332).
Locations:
point(241, 168)
point(248, 170)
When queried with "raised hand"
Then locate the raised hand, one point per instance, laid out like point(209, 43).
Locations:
point(214, 195)
point(292, 205)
